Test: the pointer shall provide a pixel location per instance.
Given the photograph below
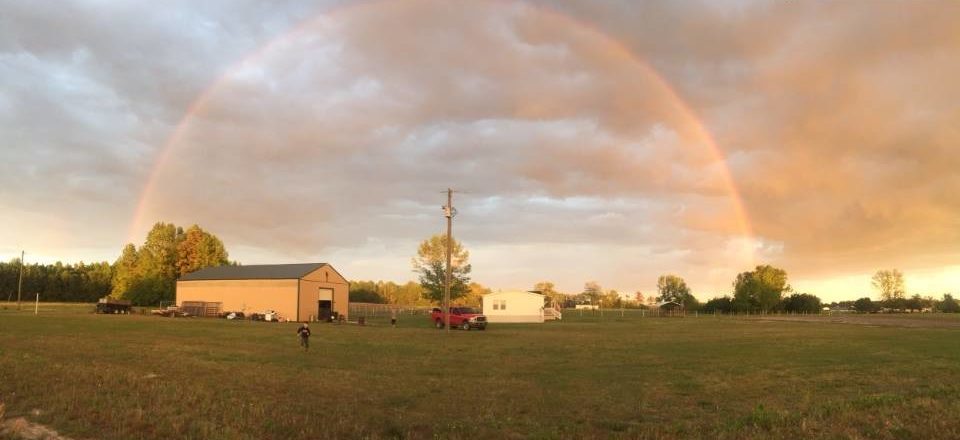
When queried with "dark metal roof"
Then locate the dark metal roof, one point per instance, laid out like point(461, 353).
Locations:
point(254, 272)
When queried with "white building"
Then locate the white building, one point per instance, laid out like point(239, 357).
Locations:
point(513, 306)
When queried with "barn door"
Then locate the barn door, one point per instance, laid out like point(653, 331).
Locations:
point(325, 304)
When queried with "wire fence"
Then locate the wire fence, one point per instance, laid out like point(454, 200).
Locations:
point(674, 313)
point(374, 310)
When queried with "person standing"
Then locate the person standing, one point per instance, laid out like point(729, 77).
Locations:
point(304, 333)
point(393, 316)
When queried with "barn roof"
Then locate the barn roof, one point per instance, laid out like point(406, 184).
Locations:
point(668, 303)
point(254, 272)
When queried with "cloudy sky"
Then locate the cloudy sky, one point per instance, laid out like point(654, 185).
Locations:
point(609, 141)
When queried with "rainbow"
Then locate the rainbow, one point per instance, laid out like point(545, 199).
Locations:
point(615, 47)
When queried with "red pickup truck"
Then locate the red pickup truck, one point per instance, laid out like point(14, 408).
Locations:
point(465, 318)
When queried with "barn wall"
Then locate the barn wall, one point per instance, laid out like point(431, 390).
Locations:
point(246, 296)
point(326, 278)
point(521, 307)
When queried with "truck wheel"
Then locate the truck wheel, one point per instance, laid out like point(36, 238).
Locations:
point(439, 323)
point(465, 325)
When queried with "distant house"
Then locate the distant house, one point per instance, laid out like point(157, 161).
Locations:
point(586, 307)
point(514, 306)
point(299, 292)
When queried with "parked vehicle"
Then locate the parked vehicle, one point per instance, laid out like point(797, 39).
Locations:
point(112, 305)
point(464, 318)
point(232, 315)
point(269, 316)
point(170, 312)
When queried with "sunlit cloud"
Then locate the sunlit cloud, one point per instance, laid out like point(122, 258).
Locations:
point(591, 141)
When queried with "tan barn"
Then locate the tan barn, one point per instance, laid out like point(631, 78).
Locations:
point(298, 292)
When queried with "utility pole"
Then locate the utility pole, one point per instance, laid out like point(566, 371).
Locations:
point(448, 211)
point(20, 281)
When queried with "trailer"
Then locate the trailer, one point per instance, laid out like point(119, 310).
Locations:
point(114, 306)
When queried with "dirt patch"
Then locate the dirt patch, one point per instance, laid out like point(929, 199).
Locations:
point(872, 320)
point(21, 428)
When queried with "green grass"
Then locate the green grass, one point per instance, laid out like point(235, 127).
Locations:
point(128, 377)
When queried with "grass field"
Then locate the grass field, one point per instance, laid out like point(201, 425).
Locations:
point(127, 377)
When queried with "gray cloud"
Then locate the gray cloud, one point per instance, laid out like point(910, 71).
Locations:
point(837, 122)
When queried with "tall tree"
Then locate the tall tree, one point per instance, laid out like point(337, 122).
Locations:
point(366, 292)
point(125, 271)
point(549, 290)
point(672, 288)
point(761, 289)
point(865, 305)
point(474, 296)
point(158, 256)
point(612, 299)
point(199, 249)
point(949, 305)
point(591, 292)
point(802, 303)
point(430, 263)
point(148, 275)
point(889, 283)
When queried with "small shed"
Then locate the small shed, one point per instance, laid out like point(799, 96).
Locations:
point(301, 292)
point(514, 306)
point(670, 308)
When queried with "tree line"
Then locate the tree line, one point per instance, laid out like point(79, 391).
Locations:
point(81, 282)
point(145, 275)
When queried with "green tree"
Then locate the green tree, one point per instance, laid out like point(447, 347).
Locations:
point(802, 303)
point(409, 294)
point(149, 290)
point(865, 305)
point(125, 271)
point(62, 282)
point(430, 263)
point(148, 275)
point(949, 305)
point(158, 256)
point(474, 296)
point(760, 290)
point(690, 303)
point(611, 299)
point(386, 292)
point(722, 304)
point(156, 274)
point(365, 292)
point(918, 303)
point(672, 288)
point(889, 283)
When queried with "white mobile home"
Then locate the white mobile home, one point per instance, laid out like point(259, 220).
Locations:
point(513, 306)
